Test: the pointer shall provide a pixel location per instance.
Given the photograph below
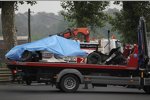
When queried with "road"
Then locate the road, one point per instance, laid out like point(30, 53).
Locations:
point(46, 92)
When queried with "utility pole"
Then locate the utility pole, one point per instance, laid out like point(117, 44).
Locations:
point(109, 40)
point(29, 26)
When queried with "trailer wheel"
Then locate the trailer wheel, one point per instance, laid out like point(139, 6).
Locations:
point(147, 89)
point(69, 83)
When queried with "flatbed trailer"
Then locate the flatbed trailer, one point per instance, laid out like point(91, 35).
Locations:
point(68, 76)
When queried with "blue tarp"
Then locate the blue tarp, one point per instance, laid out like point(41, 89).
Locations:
point(54, 44)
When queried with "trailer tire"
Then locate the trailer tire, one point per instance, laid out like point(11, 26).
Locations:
point(147, 89)
point(69, 83)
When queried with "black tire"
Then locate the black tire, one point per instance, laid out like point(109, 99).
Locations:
point(26, 56)
point(147, 89)
point(31, 56)
point(94, 58)
point(28, 82)
point(69, 83)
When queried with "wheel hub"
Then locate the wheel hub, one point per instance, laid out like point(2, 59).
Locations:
point(69, 83)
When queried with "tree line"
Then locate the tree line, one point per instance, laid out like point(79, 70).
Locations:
point(43, 24)
point(88, 13)
point(84, 14)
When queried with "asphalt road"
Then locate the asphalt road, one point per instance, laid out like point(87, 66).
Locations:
point(46, 92)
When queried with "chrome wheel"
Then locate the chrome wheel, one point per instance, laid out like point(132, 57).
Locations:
point(69, 83)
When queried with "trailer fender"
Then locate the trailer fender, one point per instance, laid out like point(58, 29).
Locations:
point(69, 71)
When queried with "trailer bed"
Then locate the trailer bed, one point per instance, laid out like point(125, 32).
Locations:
point(69, 65)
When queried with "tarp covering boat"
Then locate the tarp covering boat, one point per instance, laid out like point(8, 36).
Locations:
point(53, 44)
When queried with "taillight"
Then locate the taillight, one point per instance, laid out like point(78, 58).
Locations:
point(14, 71)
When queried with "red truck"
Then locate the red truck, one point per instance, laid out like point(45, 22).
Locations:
point(100, 70)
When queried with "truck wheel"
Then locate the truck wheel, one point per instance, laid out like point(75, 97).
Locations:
point(147, 89)
point(69, 83)
point(28, 82)
point(93, 58)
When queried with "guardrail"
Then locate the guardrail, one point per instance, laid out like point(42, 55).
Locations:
point(5, 74)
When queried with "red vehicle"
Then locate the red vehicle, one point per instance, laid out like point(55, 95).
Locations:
point(100, 70)
point(81, 34)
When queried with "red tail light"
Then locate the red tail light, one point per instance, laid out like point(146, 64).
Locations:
point(14, 71)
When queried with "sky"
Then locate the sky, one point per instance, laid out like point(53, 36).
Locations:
point(49, 7)
point(41, 6)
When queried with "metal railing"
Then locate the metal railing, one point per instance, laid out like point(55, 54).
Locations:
point(5, 75)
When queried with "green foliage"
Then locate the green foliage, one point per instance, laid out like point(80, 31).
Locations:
point(126, 21)
point(28, 2)
point(85, 13)
point(23, 2)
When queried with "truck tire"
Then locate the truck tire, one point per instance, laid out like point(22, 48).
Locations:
point(69, 83)
point(94, 58)
point(147, 89)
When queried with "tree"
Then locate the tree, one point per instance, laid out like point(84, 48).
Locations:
point(126, 21)
point(8, 26)
point(85, 13)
